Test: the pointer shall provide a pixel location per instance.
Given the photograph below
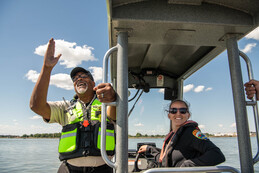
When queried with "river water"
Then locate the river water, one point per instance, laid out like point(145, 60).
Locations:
point(40, 155)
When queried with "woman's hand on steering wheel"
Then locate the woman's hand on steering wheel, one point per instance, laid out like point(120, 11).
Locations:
point(142, 149)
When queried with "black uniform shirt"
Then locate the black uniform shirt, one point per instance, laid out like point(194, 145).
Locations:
point(189, 148)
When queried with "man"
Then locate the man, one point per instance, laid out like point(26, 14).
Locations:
point(80, 118)
point(252, 88)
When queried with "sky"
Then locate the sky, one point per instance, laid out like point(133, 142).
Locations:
point(80, 30)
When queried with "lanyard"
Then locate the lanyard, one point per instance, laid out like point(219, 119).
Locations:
point(164, 149)
point(87, 109)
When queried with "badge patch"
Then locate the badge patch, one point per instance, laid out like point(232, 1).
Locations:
point(199, 135)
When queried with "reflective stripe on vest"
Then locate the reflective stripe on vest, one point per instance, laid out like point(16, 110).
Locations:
point(67, 135)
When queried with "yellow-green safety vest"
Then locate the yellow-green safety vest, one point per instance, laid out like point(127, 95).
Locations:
point(82, 135)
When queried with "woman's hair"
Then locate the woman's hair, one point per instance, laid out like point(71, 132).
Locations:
point(179, 100)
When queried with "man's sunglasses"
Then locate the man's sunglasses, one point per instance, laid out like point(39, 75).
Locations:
point(79, 76)
point(181, 110)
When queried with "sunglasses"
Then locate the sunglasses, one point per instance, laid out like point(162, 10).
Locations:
point(79, 76)
point(181, 110)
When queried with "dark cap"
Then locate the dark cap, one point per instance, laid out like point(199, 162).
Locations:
point(80, 69)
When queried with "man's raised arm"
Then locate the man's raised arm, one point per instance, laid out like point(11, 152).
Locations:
point(38, 101)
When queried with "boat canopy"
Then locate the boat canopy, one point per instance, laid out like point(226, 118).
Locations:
point(175, 38)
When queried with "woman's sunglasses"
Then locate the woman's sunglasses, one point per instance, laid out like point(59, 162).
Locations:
point(181, 110)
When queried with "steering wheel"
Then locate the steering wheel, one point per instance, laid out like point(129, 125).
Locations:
point(151, 163)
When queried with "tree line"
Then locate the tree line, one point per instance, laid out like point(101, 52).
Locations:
point(42, 135)
point(37, 135)
point(57, 135)
point(139, 135)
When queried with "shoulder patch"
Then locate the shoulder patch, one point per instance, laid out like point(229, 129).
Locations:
point(199, 135)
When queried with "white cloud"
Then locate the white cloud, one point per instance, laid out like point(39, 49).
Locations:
point(14, 120)
point(72, 55)
point(254, 34)
point(32, 75)
point(35, 117)
point(59, 80)
point(62, 80)
point(248, 47)
point(161, 90)
point(208, 89)
point(199, 89)
point(97, 73)
point(233, 125)
point(220, 125)
point(202, 126)
point(188, 88)
point(139, 125)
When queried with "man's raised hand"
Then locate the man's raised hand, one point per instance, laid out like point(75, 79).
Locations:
point(49, 59)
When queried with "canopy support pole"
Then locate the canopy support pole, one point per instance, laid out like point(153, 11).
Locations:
point(122, 100)
point(242, 126)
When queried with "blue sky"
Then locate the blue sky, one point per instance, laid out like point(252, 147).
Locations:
point(81, 34)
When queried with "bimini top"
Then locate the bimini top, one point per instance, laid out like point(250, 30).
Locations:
point(176, 37)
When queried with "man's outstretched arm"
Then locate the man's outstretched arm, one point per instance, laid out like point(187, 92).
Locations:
point(38, 101)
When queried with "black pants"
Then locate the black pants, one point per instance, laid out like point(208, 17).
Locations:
point(67, 168)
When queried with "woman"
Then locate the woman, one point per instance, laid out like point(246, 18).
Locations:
point(185, 145)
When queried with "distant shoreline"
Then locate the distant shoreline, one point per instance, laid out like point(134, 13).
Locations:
point(131, 137)
point(138, 135)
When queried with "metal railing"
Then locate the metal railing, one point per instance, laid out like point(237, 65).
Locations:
point(195, 169)
point(252, 103)
point(104, 116)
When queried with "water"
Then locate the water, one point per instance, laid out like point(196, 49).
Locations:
point(40, 155)
point(28, 155)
